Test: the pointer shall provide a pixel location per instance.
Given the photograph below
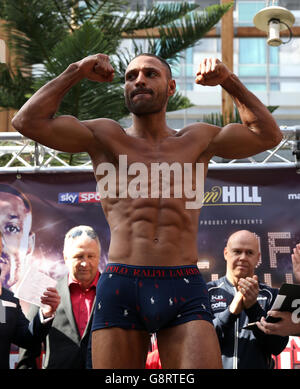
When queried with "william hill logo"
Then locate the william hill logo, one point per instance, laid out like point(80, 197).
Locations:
point(232, 195)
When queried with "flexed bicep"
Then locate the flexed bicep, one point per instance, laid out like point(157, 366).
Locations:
point(36, 118)
point(259, 131)
point(237, 141)
point(64, 133)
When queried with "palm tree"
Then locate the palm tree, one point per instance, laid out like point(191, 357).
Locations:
point(45, 36)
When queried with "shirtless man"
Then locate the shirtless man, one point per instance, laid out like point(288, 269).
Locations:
point(151, 283)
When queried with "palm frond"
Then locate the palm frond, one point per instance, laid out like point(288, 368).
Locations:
point(184, 33)
point(83, 42)
point(54, 33)
point(15, 87)
point(31, 35)
point(131, 21)
point(177, 101)
point(86, 10)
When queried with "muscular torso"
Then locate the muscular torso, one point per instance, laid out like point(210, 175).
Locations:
point(148, 230)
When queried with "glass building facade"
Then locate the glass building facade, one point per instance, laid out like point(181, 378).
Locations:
point(272, 73)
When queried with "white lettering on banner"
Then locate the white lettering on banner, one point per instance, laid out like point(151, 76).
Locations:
point(275, 249)
point(221, 222)
point(295, 317)
point(294, 196)
point(68, 197)
point(78, 197)
point(239, 194)
point(232, 195)
point(89, 197)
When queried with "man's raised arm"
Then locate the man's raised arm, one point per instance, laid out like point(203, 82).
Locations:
point(36, 118)
point(259, 131)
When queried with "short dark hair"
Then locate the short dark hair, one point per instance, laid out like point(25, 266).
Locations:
point(5, 188)
point(161, 59)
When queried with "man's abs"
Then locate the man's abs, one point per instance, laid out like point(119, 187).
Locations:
point(156, 232)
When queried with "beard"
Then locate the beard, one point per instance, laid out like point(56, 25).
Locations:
point(146, 106)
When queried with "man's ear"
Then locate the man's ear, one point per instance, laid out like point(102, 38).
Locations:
point(259, 257)
point(31, 243)
point(225, 253)
point(172, 87)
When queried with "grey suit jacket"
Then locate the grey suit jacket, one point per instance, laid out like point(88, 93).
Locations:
point(15, 328)
point(64, 349)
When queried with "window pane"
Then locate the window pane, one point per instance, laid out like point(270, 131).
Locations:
point(253, 57)
point(247, 11)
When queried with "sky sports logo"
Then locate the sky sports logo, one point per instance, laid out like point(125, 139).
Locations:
point(78, 197)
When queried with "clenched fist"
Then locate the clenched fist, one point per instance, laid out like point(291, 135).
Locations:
point(96, 68)
point(212, 72)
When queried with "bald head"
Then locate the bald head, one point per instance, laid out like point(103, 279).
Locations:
point(244, 236)
point(241, 254)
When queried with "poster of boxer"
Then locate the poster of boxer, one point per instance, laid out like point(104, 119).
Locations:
point(37, 209)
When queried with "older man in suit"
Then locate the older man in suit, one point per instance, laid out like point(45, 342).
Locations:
point(16, 329)
point(67, 342)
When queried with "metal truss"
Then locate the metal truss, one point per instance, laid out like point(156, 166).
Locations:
point(20, 154)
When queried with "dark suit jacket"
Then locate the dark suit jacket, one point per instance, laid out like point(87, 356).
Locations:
point(64, 349)
point(17, 329)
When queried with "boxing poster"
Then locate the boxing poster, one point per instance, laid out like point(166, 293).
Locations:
point(265, 201)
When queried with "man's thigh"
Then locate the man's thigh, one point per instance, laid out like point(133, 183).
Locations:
point(192, 345)
point(117, 348)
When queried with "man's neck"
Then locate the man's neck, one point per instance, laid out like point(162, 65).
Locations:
point(84, 285)
point(153, 127)
point(233, 280)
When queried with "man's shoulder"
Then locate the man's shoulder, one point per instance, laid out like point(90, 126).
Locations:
point(8, 295)
point(216, 283)
point(200, 134)
point(102, 123)
point(63, 282)
point(200, 128)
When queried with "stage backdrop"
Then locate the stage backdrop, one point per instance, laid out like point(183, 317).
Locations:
point(265, 201)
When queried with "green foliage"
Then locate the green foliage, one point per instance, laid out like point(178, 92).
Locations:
point(47, 35)
point(186, 31)
point(14, 88)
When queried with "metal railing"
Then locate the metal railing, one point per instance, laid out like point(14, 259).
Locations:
point(20, 154)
